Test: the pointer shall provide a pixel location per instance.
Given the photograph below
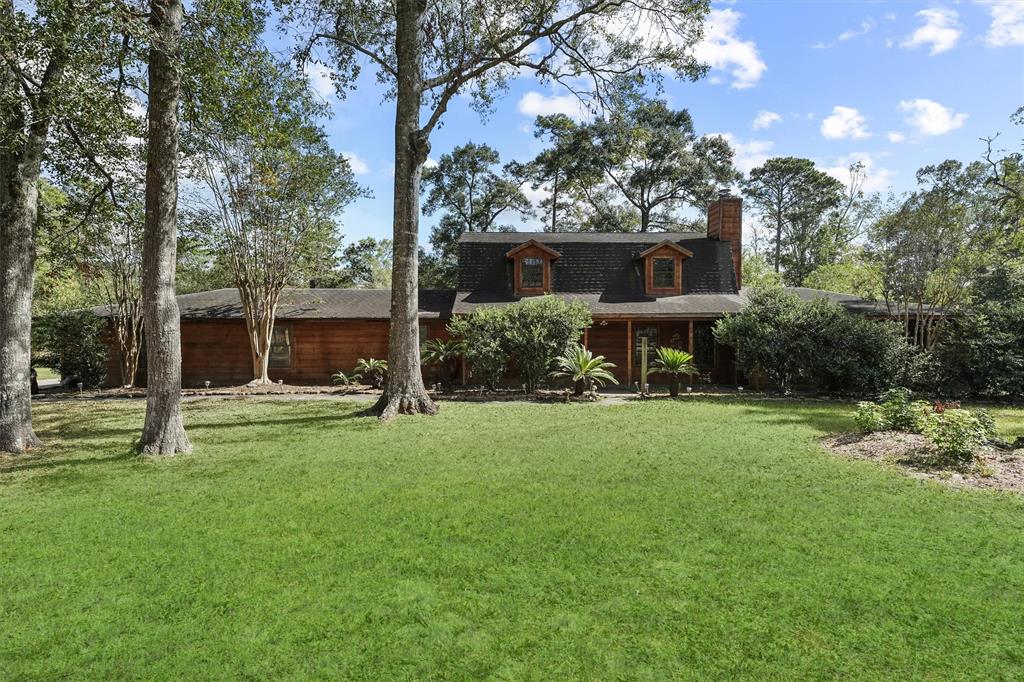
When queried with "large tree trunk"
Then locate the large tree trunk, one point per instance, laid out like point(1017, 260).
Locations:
point(21, 157)
point(164, 430)
point(18, 207)
point(404, 392)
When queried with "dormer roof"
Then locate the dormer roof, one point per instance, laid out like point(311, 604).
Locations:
point(535, 244)
point(666, 244)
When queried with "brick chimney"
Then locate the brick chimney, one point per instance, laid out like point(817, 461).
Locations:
point(725, 224)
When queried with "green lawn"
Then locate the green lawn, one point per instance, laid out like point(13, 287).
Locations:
point(649, 541)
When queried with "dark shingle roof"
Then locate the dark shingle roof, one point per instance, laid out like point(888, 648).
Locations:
point(374, 304)
point(592, 263)
point(692, 305)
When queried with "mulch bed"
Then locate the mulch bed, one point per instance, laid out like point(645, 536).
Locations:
point(993, 468)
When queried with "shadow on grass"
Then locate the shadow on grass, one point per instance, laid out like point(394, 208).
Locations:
point(61, 461)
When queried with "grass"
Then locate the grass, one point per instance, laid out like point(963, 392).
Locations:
point(44, 373)
point(690, 539)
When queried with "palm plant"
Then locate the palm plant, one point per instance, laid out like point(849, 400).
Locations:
point(444, 354)
point(373, 370)
point(585, 370)
point(346, 379)
point(675, 363)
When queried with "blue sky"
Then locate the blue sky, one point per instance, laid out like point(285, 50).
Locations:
point(897, 85)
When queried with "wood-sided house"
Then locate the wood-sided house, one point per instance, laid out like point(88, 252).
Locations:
point(666, 287)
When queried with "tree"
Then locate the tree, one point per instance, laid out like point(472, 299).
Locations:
point(428, 54)
point(851, 274)
point(931, 246)
point(59, 87)
point(275, 189)
point(793, 197)
point(557, 170)
point(472, 197)
point(651, 157)
point(164, 430)
point(365, 264)
point(757, 272)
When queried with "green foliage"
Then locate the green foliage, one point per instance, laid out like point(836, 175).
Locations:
point(533, 332)
point(365, 264)
point(675, 363)
point(900, 413)
point(374, 371)
point(956, 433)
point(343, 379)
point(538, 330)
point(790, 341)
point(758, 272)
point(981, 348)
point(870, 417)
point(482, 333)
point(443, 354)
point(72, 343)
point(584, 369)
point(851, 274)
point(471, 197)
point(795, 202)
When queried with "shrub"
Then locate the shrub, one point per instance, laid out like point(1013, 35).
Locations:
point(584, 369)
point(481, 333)
point(870, 417)
point(818, 343)
point(539, 330)
point(373, 370)
point(956, 433)
point(901, 413)
point(675, 363)
point(533, 333)
point(72, 343)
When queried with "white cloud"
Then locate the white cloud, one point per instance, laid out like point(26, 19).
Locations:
point(876, 179)
point(941, 30)
point(865, 26)
point(930, 117)
point(845, 122)
point(765, 119)
point(358, 165)
point(534, 103)
point(430, 163)
point(320, 79)
point(1007, 26)
point(895, 137)
point(722, 49)
point(749, 154)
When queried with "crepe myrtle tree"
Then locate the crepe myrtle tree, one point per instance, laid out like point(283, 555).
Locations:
point(428, 53)
point(274, 188)
point(63, 87)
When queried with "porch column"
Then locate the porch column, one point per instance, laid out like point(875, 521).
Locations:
point(691, 347)
point(629, 352)
point(586, 337)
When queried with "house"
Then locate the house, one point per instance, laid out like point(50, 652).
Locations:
point(669, 288)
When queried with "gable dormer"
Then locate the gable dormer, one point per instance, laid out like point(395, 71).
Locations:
point(531, 274)
point(663, 268)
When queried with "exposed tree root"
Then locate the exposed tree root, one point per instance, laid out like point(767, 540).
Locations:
point(390, 405)
point(19, 440)
point(166, 438)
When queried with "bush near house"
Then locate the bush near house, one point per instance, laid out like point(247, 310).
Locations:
point(532, 333)
point(72, 343)
point(817, 343)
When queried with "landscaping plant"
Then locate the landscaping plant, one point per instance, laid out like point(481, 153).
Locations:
point(675, 363)
point(444, 354)
point(538, 330)
point(481, 333)
point(72, 343)
point(955, 433)
point(373, 370)
point(584, 369)
point(346, 379)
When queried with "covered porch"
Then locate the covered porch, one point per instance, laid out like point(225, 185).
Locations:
point(620, 341)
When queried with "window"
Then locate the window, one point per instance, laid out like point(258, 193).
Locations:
point(705, 350)
point(531, 273)
point(281, 346)
point(664, 273)
point(640, 333)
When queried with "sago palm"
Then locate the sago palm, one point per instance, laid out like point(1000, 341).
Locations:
point(444, 354)
point(675, 363)
point(584, 369)
point(373, 370)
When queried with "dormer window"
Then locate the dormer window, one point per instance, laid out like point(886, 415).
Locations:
point(532, 272)
point(664, 273)
point(663, 268)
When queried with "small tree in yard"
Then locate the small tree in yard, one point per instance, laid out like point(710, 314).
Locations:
point(584, 369)
point(674, 363)
point(482, 333)
point(427, 54)
point(275, 189)
point(538, 330)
